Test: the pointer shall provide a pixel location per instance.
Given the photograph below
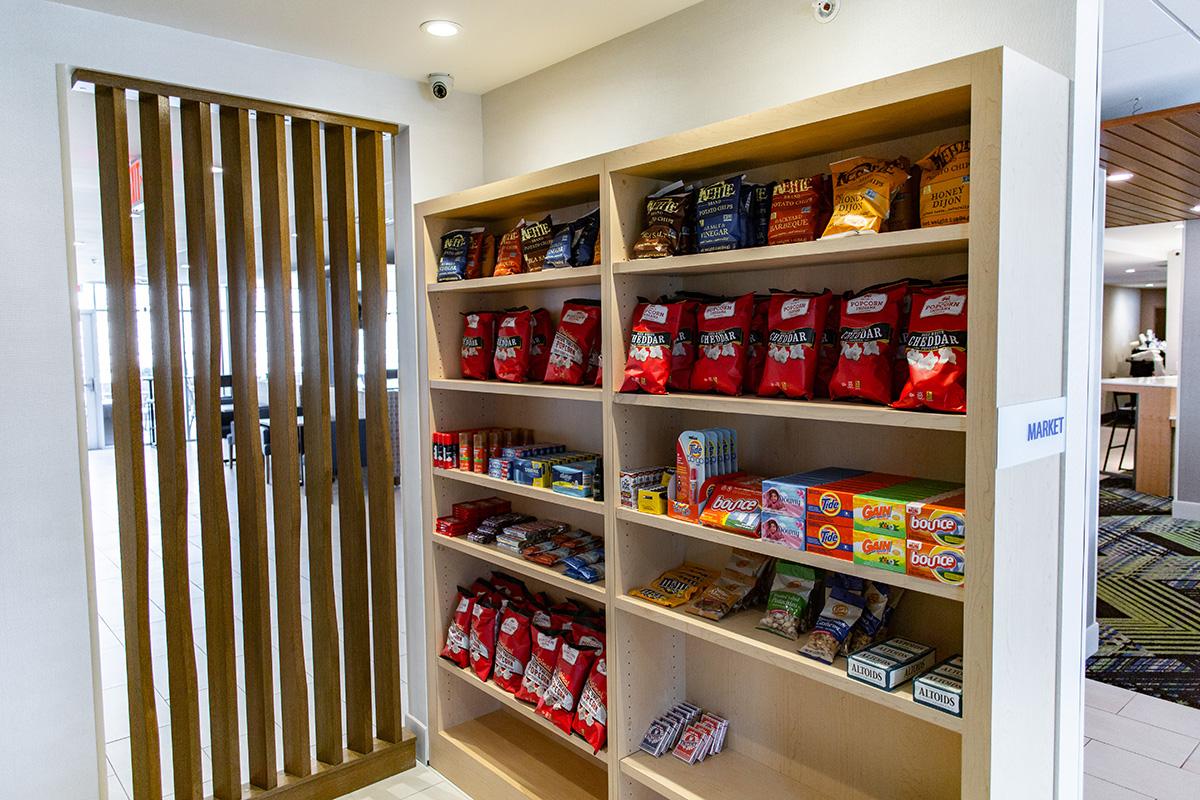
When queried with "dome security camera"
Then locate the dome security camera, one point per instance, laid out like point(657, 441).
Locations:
point(440, 83)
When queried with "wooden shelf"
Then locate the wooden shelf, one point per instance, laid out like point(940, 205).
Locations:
point(864, 247)
point(546, 279)
point(739, 634)
point(525, 568)
point(729, 775)
point(551, 391)
point(665, 523)
point(818, 410)
point(531, 492)
point(498, 755)
point(524, 711)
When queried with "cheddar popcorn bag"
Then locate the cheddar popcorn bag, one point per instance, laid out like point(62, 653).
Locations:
point(512, 346)
point(937, 351)
point(795, 320)
point(655, 326)
point(478, 344)
point(722, 333)
point(867, 338)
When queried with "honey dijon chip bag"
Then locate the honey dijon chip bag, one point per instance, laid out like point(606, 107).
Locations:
point(862, 194)
point(946, 185)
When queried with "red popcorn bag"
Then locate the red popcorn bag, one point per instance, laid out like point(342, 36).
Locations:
point(512, 650)
point(794, 322)
point(655, 326)
point(900, 364)
point(827, 351)
point(478, 344)
point(867, 336)
point(541, 333)
point(545, 644)
point(756, 351)
point(512, 345)
point(722, 332)
point(591, 716)
point(511, 588)
point(587, 631)
point(458, 644)
point(591, 374)
point(483, 638)
point(937, 351)
point(571, 351)
point(566, 685)
point(683, 352)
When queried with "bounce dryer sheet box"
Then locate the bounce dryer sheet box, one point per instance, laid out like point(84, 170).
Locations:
point(789, 495)
point(939, 521)
point(885, 510)
point(890, 663)
point(934, 562)
point(941, 687)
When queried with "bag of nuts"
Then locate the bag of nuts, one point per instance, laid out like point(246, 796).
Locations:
point(790, 596)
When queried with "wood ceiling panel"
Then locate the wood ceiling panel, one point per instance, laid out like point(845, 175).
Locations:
point(1162, 150)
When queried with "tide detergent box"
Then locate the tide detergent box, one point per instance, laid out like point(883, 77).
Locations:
point(933, 562)
point(829, 523)
point(880, 521)
point(939, 521)
point(789, 495)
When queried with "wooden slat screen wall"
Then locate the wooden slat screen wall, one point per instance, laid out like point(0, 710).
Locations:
point(376, 743)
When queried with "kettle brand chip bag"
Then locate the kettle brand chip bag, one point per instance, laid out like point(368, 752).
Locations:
point(585, 247)
point(937, 351)
point(683, 352)
point(541, 334)
point(478, 344)
point(722, 332)
point(458, 642)
point(862, 194)
point(798, 210)
point(760, 213)
point(487, 257)
point(756, 351)
point(946, 185)
point(664, 221)
point(573, 342)
point(456, 246)
point(535, 241)
point(512, 650)
point(558, 255)
point(512, 346)
point(655, 326)
point(509, 260)
point(591, 716)
point(793, 322)
point(722, 211)
point(868, 344)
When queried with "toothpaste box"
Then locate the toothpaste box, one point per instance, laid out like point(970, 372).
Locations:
point(783, 529)
point(941, 687)
point(890, 663)
point(789, 495)
point(885, 510)
point(933, 562)
point(939, 521)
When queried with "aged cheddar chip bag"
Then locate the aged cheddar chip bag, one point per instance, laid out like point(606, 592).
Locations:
point(478, 344)
point(545, 645)
point(722, 211)
point(458, 636)
point(512, 345)
point(683, 352)
point(937, 351)
point(535, 241)
point(558, 701)
point(483, 638)
point(862, 194)
point(793, 325)
point(798, 209)
point(756, 351)
point(512, 650)
point(827, 351)
point(722, 332)
point(541, 334)
point(591, 717)
point(664, 219)
point(456, 247)
point(509, 260)
point(867, 336)
point(655, 326)
point(946, 185)
point(573, 342)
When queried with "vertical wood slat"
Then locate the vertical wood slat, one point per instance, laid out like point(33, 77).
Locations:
point(112, 142)
point(339, 178)
point(204, 280)
point(252, 519)
point(166, 340)
point(285, 444)
point(385, 622)
point(318, 469)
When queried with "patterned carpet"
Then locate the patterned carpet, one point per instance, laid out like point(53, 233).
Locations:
point(1148, 597)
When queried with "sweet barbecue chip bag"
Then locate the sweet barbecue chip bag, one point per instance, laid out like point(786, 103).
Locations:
point(946, 185)
point(512, 357)
point(862, 194)
point(798, 210)
point(577, 331)
point(655, 326)
point(478, 344)
point(722, 333)
point(793, 322)
point(937, 351)
point(867, 336)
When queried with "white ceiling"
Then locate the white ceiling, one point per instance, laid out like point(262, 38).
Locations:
point(1143, 249)
point(1151, 61)
point(499, 42)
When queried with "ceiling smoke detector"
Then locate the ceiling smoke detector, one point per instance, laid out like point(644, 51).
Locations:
point(825, 10)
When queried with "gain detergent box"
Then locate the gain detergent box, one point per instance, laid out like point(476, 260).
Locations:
point(829, 526)
point(880, 521)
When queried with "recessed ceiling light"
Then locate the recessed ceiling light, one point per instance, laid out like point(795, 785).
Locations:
point(1149, 285)
point(1180, 225)
point(1131, 270)
point(1119, 176)
point(1196, 208)
point(441, 27)
point(217, 170)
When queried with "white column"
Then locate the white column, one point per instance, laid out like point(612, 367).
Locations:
point(1187, 429)
point(1174, 308)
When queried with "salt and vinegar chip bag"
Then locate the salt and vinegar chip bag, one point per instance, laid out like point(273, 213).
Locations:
point(558, 255)
point(456, 247)
point(664, 220)
point(722, 333)
point(591, 715)
point(867, 337)
point(511, 361)
point(756, 352)
point(558, 701)
point(937, 351)
point(798, 210)
point(827, 351)
point(794, 321)
point(585, 248)
point(946, 185)
point(535, 241)
point(512, 650)
point(478, 344)
point(509, 259)
point(458, 635)
point(722, 209)
point(577, 331)
point(862, 194)
point(541, 334)
point(655, 326)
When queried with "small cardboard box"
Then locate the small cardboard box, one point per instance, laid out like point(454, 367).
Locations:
point(835, 500)
point(784, 529)
point(879, 550)
point(829, 537)
point(789, 495)
point(885, 511)
point(574, 479)
point(939, 521)
point(633, 479)
point(941, 687)
point(888, 664)
point(936, 563)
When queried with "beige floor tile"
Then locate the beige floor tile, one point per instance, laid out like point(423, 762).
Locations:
point(442, 791)
point(1138, 737)
point(1105, 697)
point(1172, 716)
point(409, 783)
point(1096, 789)
point(1139, 773)
point(1193, 762)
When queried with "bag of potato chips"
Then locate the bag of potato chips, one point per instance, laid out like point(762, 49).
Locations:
point(862, 194)
point(946, 185)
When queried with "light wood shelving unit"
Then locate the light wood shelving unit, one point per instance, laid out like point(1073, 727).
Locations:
point(797, 728)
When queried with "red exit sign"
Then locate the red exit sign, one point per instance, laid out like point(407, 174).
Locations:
point(135, 183)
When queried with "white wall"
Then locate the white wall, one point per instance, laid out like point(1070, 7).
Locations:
point(1122, 318)
point(48, 727)
point(1187, 430)
point(724, 58)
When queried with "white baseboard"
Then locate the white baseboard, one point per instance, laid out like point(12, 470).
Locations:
point(1186, 510)
point(422, 733)
point(1091, 640)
